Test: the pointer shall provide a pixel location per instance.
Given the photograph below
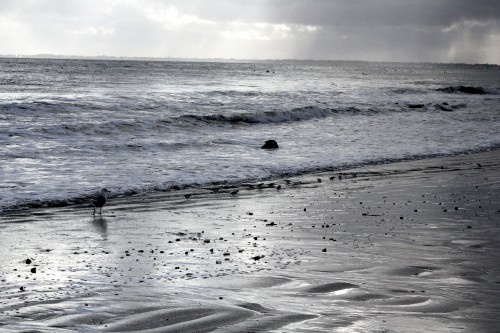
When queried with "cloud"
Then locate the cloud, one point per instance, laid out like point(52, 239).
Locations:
point(393, 30)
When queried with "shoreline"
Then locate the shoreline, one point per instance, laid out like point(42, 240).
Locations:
point(182, 189)
point(408, 246)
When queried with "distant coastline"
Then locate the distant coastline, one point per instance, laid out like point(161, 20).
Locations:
point(222, 60)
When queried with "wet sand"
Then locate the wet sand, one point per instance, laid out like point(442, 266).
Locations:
point(403, 247)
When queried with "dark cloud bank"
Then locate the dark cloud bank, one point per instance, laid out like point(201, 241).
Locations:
point(380, 30)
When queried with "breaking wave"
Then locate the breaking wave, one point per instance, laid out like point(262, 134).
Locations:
point(106, 125)
point(272, 117)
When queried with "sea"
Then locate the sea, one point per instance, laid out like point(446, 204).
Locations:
point(71, 127)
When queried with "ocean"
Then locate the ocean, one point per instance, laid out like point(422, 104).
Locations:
point(70, 127)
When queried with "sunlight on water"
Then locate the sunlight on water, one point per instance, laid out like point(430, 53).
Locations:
point(148, 126)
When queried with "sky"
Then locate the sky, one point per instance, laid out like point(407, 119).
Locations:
point(465, 31)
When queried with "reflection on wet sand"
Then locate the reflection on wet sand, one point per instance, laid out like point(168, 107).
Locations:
point(100, 225)
point(406, 247)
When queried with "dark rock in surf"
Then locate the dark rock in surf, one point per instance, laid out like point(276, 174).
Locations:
point(464, 89)
point(270, 144)
point(416, 106)
point(443, 107)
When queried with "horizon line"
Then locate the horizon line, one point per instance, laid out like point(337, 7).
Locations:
point(215, 59)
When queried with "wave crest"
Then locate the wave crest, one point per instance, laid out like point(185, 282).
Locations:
point(269, 117)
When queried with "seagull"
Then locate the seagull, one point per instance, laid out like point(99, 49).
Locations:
point(100, 200)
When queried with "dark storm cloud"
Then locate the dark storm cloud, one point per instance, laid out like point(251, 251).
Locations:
point(395, 30)
point(348, 13)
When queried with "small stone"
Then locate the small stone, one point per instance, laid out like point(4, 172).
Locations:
point(28, 261)
point(33, 270)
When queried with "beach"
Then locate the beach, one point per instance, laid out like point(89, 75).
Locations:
point(411, 246)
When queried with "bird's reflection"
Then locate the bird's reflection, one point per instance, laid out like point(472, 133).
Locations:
point(100, 225)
